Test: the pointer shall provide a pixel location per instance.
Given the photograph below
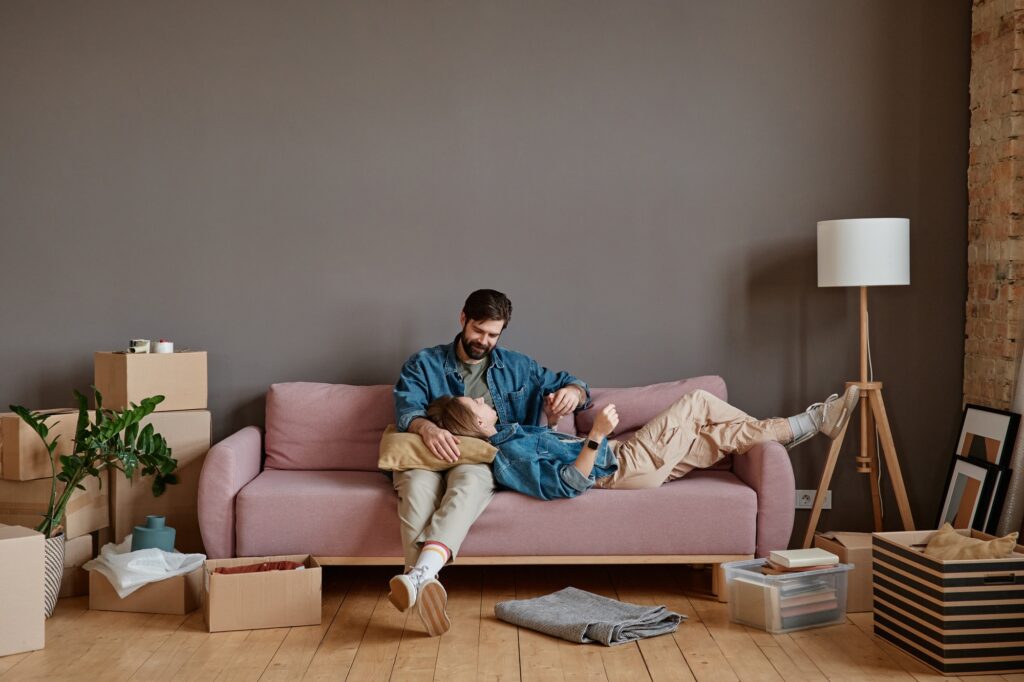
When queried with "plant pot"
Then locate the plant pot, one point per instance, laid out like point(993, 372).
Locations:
point(54, 572)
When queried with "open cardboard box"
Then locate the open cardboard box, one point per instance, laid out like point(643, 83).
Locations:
point(177, 596)
point(180, 377)
point(851, 548)
point(272, 599)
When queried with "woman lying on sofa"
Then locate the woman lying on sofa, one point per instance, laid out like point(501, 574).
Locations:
point(695, 432)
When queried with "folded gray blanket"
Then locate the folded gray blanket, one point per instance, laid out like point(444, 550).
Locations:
point(583, 617)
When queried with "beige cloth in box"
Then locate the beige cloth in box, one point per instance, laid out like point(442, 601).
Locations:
point(948, 545)
point(404, 451)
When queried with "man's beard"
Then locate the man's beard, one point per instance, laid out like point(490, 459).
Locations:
point(474, 351)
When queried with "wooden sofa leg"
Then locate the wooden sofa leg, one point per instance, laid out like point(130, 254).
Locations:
point(718, 583)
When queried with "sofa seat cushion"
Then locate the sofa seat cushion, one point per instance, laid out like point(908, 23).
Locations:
point(706, 512)
point(326, 513)
point(355, 513)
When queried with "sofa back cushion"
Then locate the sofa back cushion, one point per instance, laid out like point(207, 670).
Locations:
point(326, 426)
point(637, 405)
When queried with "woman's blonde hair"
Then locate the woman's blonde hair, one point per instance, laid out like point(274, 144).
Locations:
point(452, 414)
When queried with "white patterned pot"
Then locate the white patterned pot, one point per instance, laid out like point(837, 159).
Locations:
point(54, 571)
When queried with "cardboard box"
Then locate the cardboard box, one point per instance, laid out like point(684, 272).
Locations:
point(176, 596)
point(22, 454)
point(75, 581)
point(273, 599)
point(851, 548)
point(188, 435)
point(23, 503)
point(104, 536)
point(959, 617)
point(124, 378)
point(22, 621)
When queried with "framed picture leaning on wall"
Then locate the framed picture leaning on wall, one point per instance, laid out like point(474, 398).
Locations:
point(988, 435)
point(970, 500)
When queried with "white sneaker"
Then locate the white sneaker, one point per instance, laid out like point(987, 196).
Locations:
point(836, 411)
point(432, 608)
point(405, 587)
point(830, 416)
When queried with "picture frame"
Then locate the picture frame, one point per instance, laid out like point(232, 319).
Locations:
point(999, 490)
point(969, 496)
point(987, 435)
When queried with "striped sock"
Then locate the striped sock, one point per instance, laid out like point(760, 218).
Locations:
point(432, 558)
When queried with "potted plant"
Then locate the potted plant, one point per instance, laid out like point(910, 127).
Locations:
point(112, 440)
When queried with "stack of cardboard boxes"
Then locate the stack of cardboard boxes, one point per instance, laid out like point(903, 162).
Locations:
point(109, 512)
point(111, 505)
point(25, 482)
point(182, 419)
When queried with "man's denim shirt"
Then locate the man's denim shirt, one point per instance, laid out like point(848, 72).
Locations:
point(536, 461)
point(517, 384)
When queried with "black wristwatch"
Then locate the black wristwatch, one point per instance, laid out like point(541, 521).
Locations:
point(593, 444)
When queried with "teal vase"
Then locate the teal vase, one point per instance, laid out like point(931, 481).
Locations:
point(153, 534)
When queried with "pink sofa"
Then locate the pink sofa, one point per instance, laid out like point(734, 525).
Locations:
point(319, 491)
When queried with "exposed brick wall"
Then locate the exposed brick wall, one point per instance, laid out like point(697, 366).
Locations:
point(995, 252)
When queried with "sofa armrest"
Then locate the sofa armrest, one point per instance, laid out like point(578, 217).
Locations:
point(229, 466)
point(766, 468)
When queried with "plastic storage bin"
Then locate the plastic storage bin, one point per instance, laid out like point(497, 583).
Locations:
point(783, 603)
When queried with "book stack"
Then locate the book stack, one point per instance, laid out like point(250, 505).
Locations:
point(798, 561)
point(805, 602)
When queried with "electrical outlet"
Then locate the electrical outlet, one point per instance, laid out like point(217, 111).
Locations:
point(805, 499)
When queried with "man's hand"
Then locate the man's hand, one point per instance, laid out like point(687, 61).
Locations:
point(562, 402)
point(441, 442)
point(605, 421)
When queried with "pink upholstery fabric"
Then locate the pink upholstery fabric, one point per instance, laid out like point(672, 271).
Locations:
point(768, 470)
point(328, 513)
point(229, 466)
point(348, 513)
point(347, 508)
point(639, 404)
point(326, 426)
point(567, 424)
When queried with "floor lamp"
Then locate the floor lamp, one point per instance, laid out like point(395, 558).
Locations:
point(862, 253)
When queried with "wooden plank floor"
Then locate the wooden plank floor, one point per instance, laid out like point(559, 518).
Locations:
point(362, 637)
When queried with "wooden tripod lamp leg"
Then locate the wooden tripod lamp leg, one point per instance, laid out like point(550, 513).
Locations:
point(876, 499)
point(826, 479)
point(891, 462)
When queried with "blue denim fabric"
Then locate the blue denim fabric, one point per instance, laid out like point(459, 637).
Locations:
point(536, 461)
point(517, 384)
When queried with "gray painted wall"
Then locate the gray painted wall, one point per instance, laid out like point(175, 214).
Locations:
point(309, 190)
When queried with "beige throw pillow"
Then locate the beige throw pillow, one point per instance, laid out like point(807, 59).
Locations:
point(948, 545)
point(403, 451)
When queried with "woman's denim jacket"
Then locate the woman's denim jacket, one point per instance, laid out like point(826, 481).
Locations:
point(537, 461)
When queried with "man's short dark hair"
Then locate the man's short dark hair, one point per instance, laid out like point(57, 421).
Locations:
point(488, 304)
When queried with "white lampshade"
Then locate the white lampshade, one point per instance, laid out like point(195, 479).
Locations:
point(863, 252)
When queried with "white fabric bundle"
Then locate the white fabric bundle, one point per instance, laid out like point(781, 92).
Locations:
point(127, 571)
